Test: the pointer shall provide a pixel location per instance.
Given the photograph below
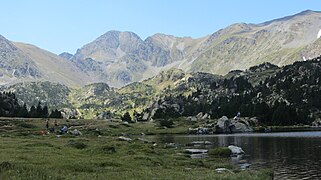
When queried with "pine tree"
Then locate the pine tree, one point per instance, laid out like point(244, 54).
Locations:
point(33, 112)
point(55, 114)
point(23, 111)
point(44, 112)
point(126, 117)
point(39, 110)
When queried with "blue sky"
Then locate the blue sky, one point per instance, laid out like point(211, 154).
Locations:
point(65, 25)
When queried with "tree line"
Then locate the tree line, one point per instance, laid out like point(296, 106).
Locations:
point(9, 107)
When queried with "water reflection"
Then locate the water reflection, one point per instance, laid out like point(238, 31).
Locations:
point(291, 155)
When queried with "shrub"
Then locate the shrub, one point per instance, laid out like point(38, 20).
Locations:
point(220, 152)
point(126, 117)
point(76, 144)
point(166, 123)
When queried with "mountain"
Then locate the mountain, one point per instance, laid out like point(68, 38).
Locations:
point(281, 41)
point(119, 58)
point(15, 65)
point(66, 55)
point(275, 95)
point(54, 68)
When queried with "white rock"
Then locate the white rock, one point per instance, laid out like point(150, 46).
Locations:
point(196, 151)
point(319, 34)
point(236, 150)
point(124, 138)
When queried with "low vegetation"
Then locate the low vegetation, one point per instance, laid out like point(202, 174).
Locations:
point(27, 153)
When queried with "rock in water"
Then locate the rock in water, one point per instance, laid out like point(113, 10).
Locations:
point(236, 150)
point(196, 151)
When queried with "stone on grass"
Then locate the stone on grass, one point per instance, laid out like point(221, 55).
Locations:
point(122, 138)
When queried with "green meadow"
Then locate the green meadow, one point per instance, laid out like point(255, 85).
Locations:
point(27, 153)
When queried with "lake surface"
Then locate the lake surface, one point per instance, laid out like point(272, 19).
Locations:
point(295, 155)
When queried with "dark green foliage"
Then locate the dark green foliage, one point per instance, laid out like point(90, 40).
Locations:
point(284, 115)
point(108, 149)
point(33, 112)
point(76, 144)
point(9, 107)
point(276, 96)
point(55, 114)
point(23, 111)
point(5, 166)
point(220, 152)
point(126, 117)
point(166, 123)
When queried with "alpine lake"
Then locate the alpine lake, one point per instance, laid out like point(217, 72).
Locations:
point(290, 155)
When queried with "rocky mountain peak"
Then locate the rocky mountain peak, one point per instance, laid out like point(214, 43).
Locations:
point(6, 45)
point(66, 55)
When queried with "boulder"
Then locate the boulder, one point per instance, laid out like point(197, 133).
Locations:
point(220, 170)
point(76, 132)
point(122, 138)
point(241, 127)
point(192, 118)
point(245, 166)
point(192, 130)
point(199, 115)
point(145, 116)
point(68, 113)
point(196, 151)
point(201, 143)
point(146, 141)
point(202, 130)
point(224, 125)
point(105, 115)
point(205, 116)
point(236, 150)
point(170, 145)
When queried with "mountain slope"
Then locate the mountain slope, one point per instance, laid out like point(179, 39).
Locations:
point(123, 57)
point(240, 46)
point(15, 65)
point(55, 68)
point(120, 58)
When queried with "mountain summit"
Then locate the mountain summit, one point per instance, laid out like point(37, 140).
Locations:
point(119, 58)
point(123, 57)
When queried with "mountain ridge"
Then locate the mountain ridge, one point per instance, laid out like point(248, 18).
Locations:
point(119, 58)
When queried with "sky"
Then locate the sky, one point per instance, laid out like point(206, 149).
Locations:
point(66, 25)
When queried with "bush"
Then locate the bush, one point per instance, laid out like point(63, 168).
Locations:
point(126, 117)
point(166, 123)
point(5, 166)
point(76, 144)
point(220, 152)
point(108, 149)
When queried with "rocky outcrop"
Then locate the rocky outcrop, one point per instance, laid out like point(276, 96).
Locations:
point(226, 125)
point(237, 125)
point(68, 113)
